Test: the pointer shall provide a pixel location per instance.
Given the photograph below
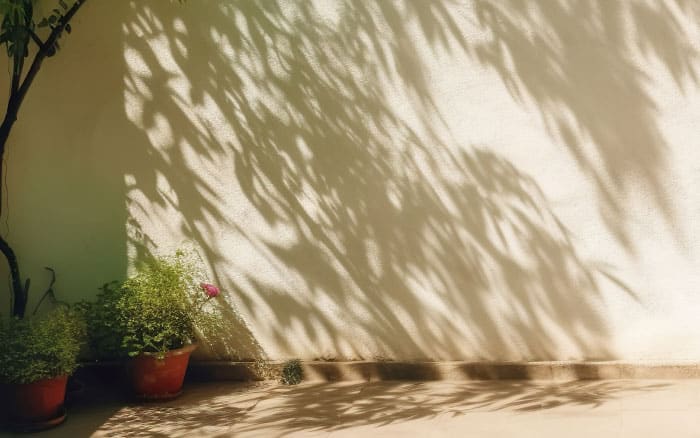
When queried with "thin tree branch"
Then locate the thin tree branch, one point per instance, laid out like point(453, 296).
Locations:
point(49, 292)
point(49, 45)
point(17, 67)
point(19, 90)
point(36, 38)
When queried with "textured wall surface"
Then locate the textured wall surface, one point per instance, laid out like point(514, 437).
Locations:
point(421, 179)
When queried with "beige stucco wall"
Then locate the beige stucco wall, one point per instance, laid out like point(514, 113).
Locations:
point(418, 179)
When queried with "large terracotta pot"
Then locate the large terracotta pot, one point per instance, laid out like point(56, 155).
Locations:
point(37, 405)
point(160, 379)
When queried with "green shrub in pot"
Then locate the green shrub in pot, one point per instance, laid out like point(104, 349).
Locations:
point(37, 355)
point(153, 317)
point(158, 309)
point(41, 347)
point(103, 324)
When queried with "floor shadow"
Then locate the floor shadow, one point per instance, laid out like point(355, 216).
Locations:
point(278, 411)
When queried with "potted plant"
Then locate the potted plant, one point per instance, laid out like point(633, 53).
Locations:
point(37, 356)
point(152, 318)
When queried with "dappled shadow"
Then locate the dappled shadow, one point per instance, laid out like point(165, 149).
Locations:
point(278, 411)
point(293, 144)
point(580, 65)
point(202, 409)
point(387, 403)
point(301, 147)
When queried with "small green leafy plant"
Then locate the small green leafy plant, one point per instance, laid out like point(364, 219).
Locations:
point(41, 347)
point(103, 324)
point(157, 310)
point(292, 373)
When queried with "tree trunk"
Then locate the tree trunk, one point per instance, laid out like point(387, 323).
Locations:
point(18, 91)
point(19, 292)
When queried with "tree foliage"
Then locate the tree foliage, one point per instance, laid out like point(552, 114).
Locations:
point(23, 23)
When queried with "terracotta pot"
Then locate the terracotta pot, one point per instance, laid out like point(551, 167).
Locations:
point(160, 379)
point(37, 405)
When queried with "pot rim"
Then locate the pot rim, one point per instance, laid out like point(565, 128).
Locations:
point(188, 348)
point(45, 379)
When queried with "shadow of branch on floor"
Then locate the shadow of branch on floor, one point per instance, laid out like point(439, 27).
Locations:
point(258, 408)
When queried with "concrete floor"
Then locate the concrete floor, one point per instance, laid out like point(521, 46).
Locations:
point(610, 408)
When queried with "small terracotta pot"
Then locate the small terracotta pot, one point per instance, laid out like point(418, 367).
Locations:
point(160, 379)
point(37, 405)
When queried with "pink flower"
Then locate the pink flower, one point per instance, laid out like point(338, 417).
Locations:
point(209, 289)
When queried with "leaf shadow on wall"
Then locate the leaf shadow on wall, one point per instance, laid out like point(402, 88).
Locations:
point(396, 242)
point(583, 66)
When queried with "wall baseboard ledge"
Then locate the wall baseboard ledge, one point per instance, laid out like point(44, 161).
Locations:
point(369, 371)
